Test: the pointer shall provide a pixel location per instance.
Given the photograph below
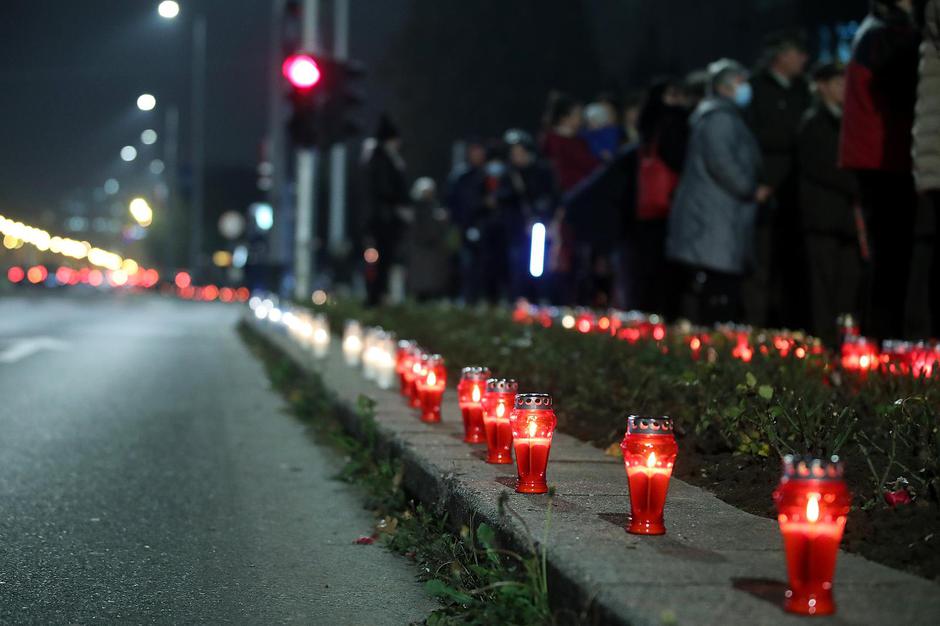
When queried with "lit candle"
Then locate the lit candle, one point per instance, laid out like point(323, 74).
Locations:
point(352, 342)
point(498, 401)
point(385, 362)
point(649, 451)
point(320, 339)
point(812, 504)
point(470, 398)
point(403, 361)
point(417, 370)
point(533, 424)
point(431, 384)
point(859, 354)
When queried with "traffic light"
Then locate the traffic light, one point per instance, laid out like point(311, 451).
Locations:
point(303, 73)
point(326, 96)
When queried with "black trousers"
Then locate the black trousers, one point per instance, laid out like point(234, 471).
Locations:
point(708, 296)
point(889, 202)
point(834, 281)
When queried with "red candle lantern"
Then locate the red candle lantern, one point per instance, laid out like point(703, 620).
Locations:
point(859, 354)
point(404, 359)
point(847, 327)
point(533, 424)
point(649, 451)
point(497, 405)
point(431, 383)
point(742, 347)
point(812, 504)
point(418, 360)
point(470, 392)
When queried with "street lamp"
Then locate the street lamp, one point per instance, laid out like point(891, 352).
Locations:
point(146, 102)
point(168, 9)
point(148, 137)
point(141, 212)
point(128, 153)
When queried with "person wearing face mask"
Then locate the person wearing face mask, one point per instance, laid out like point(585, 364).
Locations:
point(710, 229)
point(828, 199)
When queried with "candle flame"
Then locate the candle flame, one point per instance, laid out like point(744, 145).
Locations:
point(500, 409)
point(812, 507)
point(475, 394)
point(532, 428)
point(651, 460)
point(432, 379)
point(863, 361)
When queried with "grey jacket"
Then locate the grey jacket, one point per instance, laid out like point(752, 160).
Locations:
point(712, 219)
point(927, 113)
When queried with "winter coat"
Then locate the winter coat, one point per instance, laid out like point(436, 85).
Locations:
point(570, 157)
point(927, 112)
point(712, 219)
point(428, 255)
point(602, 208)
point(880, 90)
point(524, 196)
point(388, 190)
point(774, 116)
point(466, 192)
point(827, 192)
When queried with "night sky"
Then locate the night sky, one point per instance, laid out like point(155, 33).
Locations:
point(71, 71)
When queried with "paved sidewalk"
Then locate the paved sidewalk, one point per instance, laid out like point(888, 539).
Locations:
point(715, 565)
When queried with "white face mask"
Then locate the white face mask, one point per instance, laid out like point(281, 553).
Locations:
point(743, 94)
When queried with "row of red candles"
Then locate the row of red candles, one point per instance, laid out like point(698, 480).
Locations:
point(856, 353)
point(812, 498)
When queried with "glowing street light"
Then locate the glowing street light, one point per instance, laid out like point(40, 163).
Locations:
point(146, 102)
point(128, 153)
point(301, 70)
point(168, 9)
point(141, 211)
point(111, 186)
point(148, 137)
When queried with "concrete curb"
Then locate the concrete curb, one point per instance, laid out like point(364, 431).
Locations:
point(716, 565)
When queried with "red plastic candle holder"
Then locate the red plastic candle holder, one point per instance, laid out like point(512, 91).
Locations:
point(649, 452)
point(417, 371)
point(470, 392)
point(404, 358)
point(859, 354)
point(498, 402)
point(812, 504)
point(431, 383)
point(533, 423)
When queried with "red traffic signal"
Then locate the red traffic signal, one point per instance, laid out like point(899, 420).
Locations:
point(301, 70)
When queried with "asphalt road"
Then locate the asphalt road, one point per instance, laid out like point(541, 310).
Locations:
point(149, 475)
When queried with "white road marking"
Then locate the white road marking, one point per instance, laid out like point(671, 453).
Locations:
point(28, 346)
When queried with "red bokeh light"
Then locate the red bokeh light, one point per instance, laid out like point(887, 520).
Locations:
point(242, 294)
point(183, 280)
point(37, 274)
point(210, 293)
point(95, 278)
point(16, 274)
point(301, 70)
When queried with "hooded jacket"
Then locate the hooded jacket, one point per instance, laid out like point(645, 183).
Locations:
point(713, 213)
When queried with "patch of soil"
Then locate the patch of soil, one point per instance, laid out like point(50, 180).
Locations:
point(905, 538)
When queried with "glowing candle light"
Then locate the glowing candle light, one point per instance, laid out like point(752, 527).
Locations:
point(431, 384)
point(469, 397)
point(352, 343)
point(533, 423)
point(498, 401)
point(812, 504)
point(649, 451)
point(417, 371)
point(320, 339)
point(385, 365)
point(404, 359)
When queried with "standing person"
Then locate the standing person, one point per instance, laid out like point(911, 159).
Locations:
point(781, 97)
point(388, 195)
point(663, 125)
point(527, 195)
point(927, 140)
point(712, 219)
point(603, 135)
point(428, 252)
point(571, 158)
point(466, 196)
point(828, 197)
point(881, 85)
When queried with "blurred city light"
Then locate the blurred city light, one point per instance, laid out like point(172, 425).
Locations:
point(128, 153)
point(371, 255)
point(148, 137)
point(301, 70)
point(111, 186)
point(264, 215)
point(319, 297)
point(168, 9)
point(222, 258)
point(239, 256)
point(37, 274)
point(537, 253)
point(16, 274)
point(141, 212)
point(156, 167)
point(146, 102)
point(183, 280)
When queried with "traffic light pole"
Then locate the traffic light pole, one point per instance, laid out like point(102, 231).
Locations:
point(305, 221)
point(337, 232)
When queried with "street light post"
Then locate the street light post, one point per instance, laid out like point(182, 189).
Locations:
point(198, 146)
point(305, 221)
point(338, 151)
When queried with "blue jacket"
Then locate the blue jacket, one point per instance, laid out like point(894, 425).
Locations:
point(711, 223)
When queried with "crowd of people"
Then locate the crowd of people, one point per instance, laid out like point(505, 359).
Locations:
point(782, 196)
